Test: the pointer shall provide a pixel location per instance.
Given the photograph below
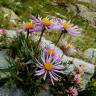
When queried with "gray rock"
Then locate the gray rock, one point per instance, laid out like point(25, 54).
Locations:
point(3, 62)
point(44, 93)
point(88, 68)
point(4, 91)
point(85, 1)
point(16, 92)
point(11, 33)
point(92, 2)
point(90, 54)
point(8, 13)
point(86, 14)
point(72, 8)
point(86, 9)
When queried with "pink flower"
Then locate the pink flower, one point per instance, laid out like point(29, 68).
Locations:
point(50, 67)
point(2, 31)
point(72, 91)
point(77, 79)
point(79, 69)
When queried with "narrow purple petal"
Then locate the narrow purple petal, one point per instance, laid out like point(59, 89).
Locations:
point(45, 75)
point(73, 32)
point(51, 79)
point(58, 67)
point(58, 71)
point(33, 17)
point(52, 76)
point(40, 72)
point(56, 75)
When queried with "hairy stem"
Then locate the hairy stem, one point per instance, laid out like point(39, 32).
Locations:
point(41, 36)
point(59, 37)
point(28, 34)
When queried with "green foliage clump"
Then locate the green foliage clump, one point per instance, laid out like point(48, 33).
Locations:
point(22, 53)
point(22, 47)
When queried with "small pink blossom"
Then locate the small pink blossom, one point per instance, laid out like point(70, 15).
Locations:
point(72, 91)
point(77, 79)
point(2, 31)
point(79, 70)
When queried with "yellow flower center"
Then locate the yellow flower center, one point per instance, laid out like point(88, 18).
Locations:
point(46, 21)
point(69, 46)
point(51, 51)
point(48, 66)
point(66, 25)
point(29, 25)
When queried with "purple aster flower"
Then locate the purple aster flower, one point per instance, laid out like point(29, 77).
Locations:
point(45, 23)
point(66, 27)
point(30, 27)
point(69, 48)
point(52, 52)
point(49, 67)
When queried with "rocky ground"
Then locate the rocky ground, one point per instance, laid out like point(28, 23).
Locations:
point(85, 9)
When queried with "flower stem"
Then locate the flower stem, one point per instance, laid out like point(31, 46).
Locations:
point(59, 37)
point(41, 36)
point(28, 34)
